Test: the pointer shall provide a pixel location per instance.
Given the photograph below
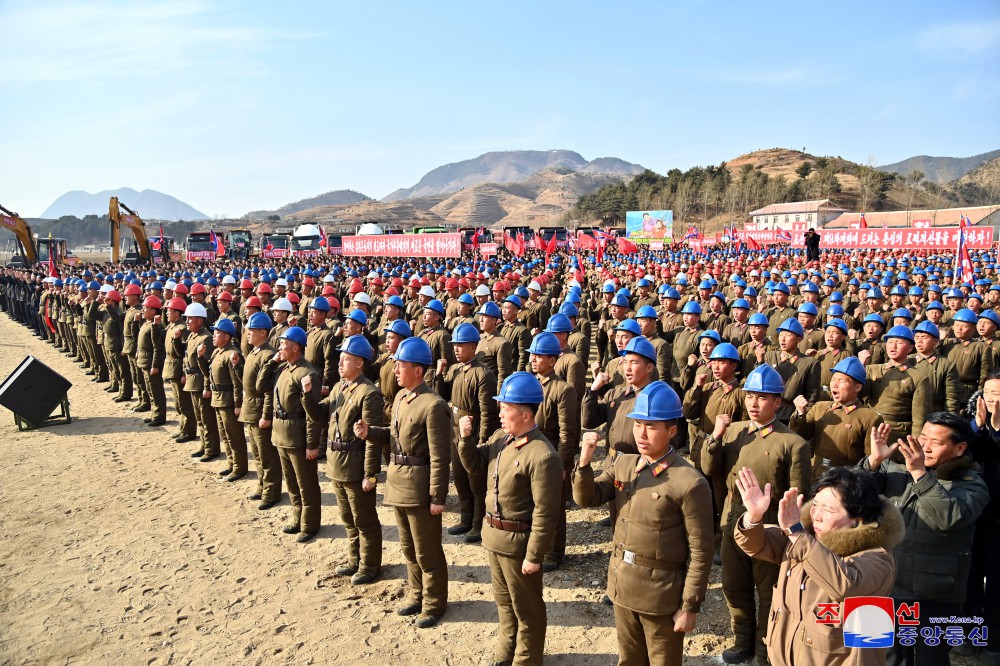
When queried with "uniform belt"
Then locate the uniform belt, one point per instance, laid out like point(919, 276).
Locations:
point(188, 370)
point(507, 525)
point(628, 557)
point(222, 387)
point(349, 447)
point(409, 461)
point(285, 416)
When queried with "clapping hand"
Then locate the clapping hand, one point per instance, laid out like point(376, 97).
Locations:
point(913, 453)
point(880, 445)
point(790, 508)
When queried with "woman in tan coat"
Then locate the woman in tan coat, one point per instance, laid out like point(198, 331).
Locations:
point(838, 545)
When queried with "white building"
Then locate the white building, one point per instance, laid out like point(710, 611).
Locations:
point(811, 214)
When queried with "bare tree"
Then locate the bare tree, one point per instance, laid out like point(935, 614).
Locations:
point(871, 183)
point(683, 199)
point(911, 184)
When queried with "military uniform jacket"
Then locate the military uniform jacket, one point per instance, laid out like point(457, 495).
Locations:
point(130, 329)
point(469, 389)
point(737, 334)
point(828, 358)
point(523, 483)
point(258, 385)
point(942, 381)
point(748, 354)
point(112, 329)
point(440, 343)
point(274, 337)
point(610, 405)
point(801, 375)
point(579, 344)
point(173, 368)
point(194, 381)
point(776, 316)
point(496, 353)
point(387, 382)
point(297, 418)
point(558, 417)
point(348, 403)
point(900, 395)
point(150, 352)
point(840, 433)
point(520, 339)
point(702, 404)
point(91, 315)
point(321, 353)
point(225, 379)
point(775, 454)
point(663, 552)
point(973, 361)
point(572, 370)
point(685, 343)
point(421, 429)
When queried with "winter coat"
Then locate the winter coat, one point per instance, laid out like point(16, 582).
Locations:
point(828, 569)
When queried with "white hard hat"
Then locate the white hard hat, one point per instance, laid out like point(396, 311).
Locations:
point(105, 288)
point(427, 290)
point(482, 290)
point(328, 278)
point(195, 310)
point(534, 285)
point(229, 279)
point(282, 304)
point(281, 282)
point(362, 297)
point(169, 284)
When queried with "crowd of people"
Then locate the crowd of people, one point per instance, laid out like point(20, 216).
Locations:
point(820, 426)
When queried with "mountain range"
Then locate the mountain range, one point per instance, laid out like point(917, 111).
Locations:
point(149, 204)
point(940, 170)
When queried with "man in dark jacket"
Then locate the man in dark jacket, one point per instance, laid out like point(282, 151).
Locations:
point(941, 494)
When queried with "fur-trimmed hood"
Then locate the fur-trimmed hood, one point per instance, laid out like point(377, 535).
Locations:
point(887, 532)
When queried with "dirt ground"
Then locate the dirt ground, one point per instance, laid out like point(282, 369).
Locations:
point(120, 548)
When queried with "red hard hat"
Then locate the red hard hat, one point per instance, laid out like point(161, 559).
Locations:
point(254, 302)
point(398, 282)
point(451, 283)
point(292, 297)
point(133, 290)
point(225, 296)
point(415, 283)
point(263, 288)
point(309, 281)
point(463, 283)
point(152, 302)
point(181, 289)
point(176, 304)
point(355, 288)
point(377, 282)
point(114, 295)
point(246, 284)
point(334, 303)
point(197, 288)
point(425, 280)
point(392, 291)
point(328, 291)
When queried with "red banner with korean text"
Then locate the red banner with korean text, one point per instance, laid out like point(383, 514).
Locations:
point(403, 245)
point(907, 238)
point(487, 249)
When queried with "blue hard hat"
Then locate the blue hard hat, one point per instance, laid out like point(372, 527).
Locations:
point(792, 326)
point(646, 312)
point(357, 345)
point(296, 335)
point(641, 346)
point(620, 300)
point(467, 299)
point(809, 309)
point(809, 287)
point(929, 328)
point(414, 350)
point(656, 402)
point(720, 296)
point(58, 282)
point(465, 333)
point(643, 282)
point(608, 288)
point(725, 352)
point(934, 305)
point(396, 301)
point(559, 323)
point(875, 318)
point(750, 291)
point(740, 303)
point(916, 291)
point(874, 292)
point(902, 312)
point(320, 303)
point(435, 305)
point(711, 334)
point(569, 310)
point(965, 315)
point(691, 307)
point(835, 310)
point(95, 285)
point(897, 291)
point(521, 388)
point(225, 325)
point(836, 297)
point(705, 284)
point(672, 293)
point(358, 316)
point(545, 344)
point(512, 299)
point(782, 287)
point(259, 320)
point(902, 332)
point(991, 315)
point(837, 323)
point(399, 327)
point(758, 319)
point(630, 326)
point(764, 379)
point(490, 309)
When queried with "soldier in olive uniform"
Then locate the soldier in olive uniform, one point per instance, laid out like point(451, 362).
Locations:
point(150, 357)
point(194, 382)
point(257, 412)
point(130, 327)
point(419, 434)
point(658, 574)
point(941, 373)
point(777, 456)
point(469, 387)
point(436, 337)
point(972, 358)
point(175, 340)
point(224, 369)
point(321, 349)
point(517, 335)
point(113, 327)
point(897, 391)
point(352, 463)
point(800, 373)
point(524, 472)
point(494, 349)
point(296, 432)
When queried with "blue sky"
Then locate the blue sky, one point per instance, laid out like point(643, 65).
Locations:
point(237, 106)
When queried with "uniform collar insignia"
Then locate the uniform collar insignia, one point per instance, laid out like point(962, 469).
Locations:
point(657, 466)
point(766, 430)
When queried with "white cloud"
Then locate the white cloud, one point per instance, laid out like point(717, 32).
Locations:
point(971, 38)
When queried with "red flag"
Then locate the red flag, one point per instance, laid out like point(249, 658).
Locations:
point(863, 224)
point(322, 238)
point(475, 239)
point(270, 246)
point(550, 248)
point(52, 262)
point(586, 242)
point(626, 246)
point(964, 260)
point(752, 243)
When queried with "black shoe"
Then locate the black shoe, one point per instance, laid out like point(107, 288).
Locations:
point(291, 529)
point(550, 565)
point(102, 380)
point(254, 496)
point(198, 454)
point(605, 522)
point(122, 398)
point(501, 663)
point(112, 389)
point(346, 570)
point(266, 504)
point(409, 609)
point(427, 621)
point(209, 456)
point(235, 477)
point(461, 528)
point(90, 373)
point(717, 559)
point(184, 439)
point(156, 423)
point(142, 408)
point(737, 655)
point(363, 578)
point(606, 600)
point(147, 420)
point(226, 472)
point(303, 537)
point(474, 536)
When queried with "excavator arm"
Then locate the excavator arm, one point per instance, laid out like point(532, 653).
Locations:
point(22, 231)
point(132, 220)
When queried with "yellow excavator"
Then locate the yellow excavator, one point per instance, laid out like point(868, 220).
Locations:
point(33, 250)
point(140, 250)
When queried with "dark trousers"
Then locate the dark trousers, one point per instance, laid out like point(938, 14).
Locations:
point(521, 637)
point(426, 567)
point(983, 595)
point(741, 577)
point(921, 654)
point(302, 482)
point(360, 518)
point(267, 461)
point(645, 639)
point(471, 489)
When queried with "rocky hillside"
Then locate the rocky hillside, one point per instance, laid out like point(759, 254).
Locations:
point(150, 204)
point(940, 170)
point(334, 198)
point(986, 175)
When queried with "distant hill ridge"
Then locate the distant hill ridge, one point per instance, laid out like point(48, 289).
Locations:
point(150, 204)
point(334, 198)
point(940, 170)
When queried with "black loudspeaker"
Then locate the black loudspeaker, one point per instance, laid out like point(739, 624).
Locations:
point(33, 392)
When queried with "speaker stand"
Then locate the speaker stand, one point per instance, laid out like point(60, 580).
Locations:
point(62, 418)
